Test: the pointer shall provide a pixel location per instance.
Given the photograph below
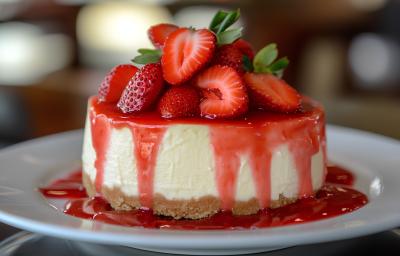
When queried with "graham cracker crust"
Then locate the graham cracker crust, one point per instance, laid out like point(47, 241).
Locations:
point(178, 209)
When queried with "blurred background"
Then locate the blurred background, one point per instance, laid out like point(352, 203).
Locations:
point(55, 53)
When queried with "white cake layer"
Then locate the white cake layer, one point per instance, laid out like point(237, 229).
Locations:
point(185, 166)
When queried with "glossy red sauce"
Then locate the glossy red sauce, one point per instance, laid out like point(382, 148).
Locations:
point(339, 175)
point(257, 136)
point(67, 187)
point(147, 141)
point(331, 200)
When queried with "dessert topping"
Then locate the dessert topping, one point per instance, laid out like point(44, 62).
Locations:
point(269, 92)
point(142, 90)
point(216, 60)
point(159, 33)
point(224, 93)
point(231, 56)
point(245, 47)
point(179, 101)
point(115, 82)
point(186, 51)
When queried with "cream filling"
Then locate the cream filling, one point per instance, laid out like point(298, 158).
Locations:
point(185, 166)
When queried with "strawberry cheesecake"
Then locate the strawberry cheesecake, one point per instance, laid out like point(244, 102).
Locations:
point(201, 124)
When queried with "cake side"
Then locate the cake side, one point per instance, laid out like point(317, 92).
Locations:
point(185, 183)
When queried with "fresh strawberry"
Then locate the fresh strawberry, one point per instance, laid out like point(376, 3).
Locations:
point(179, 101)
point(272, 93)
point(229, 55)
point(159, 33)
point(185, 52)
point(245, 47)
point(142, 89)
point(224, 93)
point(115, 82)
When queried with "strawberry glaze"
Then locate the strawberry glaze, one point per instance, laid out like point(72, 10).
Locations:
point(256, 136)
point(67, 187)
point(330, 201)
point(147, 142)
point(101, 131)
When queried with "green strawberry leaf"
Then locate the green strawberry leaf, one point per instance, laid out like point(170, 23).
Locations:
point(229, 20)
point(279, 65)
point(247, 65)
point(264, 58)
point(223, 20)
point(229, 36)
point(147, 56)
point(218, 18)
point(148, 51)
point(264, 61)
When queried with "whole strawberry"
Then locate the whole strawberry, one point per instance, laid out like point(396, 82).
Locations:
point(115, 82)
point(245, 47)
point(231, 56)
point(142, 90)
point(182, 101)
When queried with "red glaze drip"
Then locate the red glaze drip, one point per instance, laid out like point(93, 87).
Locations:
point(330, 201)
point(255, 136)
point(258, 143)
point(147, 142)
point(338, 175)
point(101, 131)
point(67, 187)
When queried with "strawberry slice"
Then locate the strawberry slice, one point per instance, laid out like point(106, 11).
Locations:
point(159, 33)
point(185, 52)
point(224, 93)
point(268, 92)
point(229, 55)
point(142, 89)
point(245, 47)
point(115, 82)
point(180, 101)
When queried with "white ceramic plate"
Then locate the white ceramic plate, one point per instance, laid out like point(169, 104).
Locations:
point(374, 159)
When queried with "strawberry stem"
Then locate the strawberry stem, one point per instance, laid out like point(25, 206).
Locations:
point(221, 22)
point(264, 61)
point(147, 56)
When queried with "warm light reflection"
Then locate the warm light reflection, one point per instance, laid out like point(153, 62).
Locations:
point(374, 59)
point(368, 5)
point(27, 54)
point(111, 32)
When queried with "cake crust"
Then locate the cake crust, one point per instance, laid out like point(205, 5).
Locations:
point(178, 209)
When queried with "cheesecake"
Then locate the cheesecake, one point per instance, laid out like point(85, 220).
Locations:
point(201, 124)
point(194, 168)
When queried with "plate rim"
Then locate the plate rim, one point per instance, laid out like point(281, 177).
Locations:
point(236, 238)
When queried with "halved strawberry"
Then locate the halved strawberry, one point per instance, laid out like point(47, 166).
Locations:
point(245, 47)
point(115, 82)
point(271, 93)
point(185, 52)
point(224, 93)
point(179, 101)
point(159, 33)
point(142, 89)
point(229, 55)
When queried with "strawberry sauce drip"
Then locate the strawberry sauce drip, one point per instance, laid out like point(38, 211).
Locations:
point(101, 131)
point(258, 143)
point(147, 142)
point(330, 201)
